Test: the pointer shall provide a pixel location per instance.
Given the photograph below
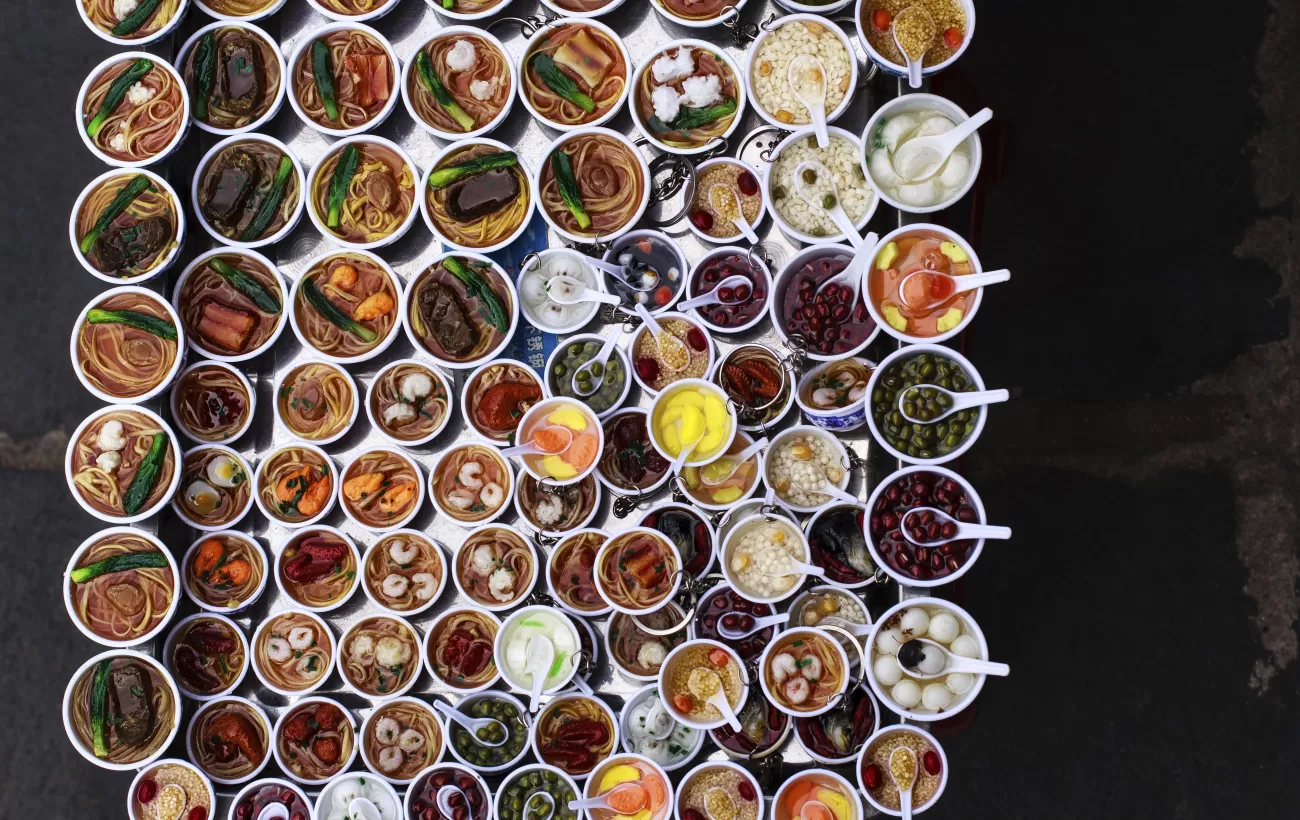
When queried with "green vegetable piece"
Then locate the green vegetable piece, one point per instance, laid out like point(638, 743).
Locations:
point(561, 83)
point(322, 71)
point(336, 317)
point(271, 204)
point(695, 117)
point(205, 68)
point(429, 78)
point(477, 286)
point(343, 173)
point(161, 328)
point(118, 563)
point(146, 476)
point(448, 4)
point(99, 707)
point(245, 284)
point(116, 92)
point(138, 185)
point(137, 18)
point(443, 177)
point(568, 185)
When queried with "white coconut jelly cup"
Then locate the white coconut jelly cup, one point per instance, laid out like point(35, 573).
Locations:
point(587, 130)
point(80, 553)
point(183, 54)
point(197, 183)
point(285, 307)
point(279, 724)
point(169, 258)
point(303, 43)
point(169, 646)
point(410, 74)
point(235, 374)
point(168, 378)
point(698, 45)
point(178, 506)
point(425, 647)
point(295, 539)
point(319, 220)
point(774, 209)
point(372, 765)
point(86, 668)
point(438, 549)
point(321, 625)
point(499, 649)
point(192, 553)
point(918, 102)
point(409, 293)
point(82, 119)
point(324, 257)
point(172, 444)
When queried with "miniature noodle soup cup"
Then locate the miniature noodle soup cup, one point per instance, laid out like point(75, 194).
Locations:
point(161, 201)
point(768, 44)
point(638, 655)
point(793, 289)
point(317, 568)
point(99, 565)
point(952, 248)
point(624, 60)
point(573, 556)
point(756, 366)
point(944, 623)
point(99, 490)
point(271, 107)
point(277, 643)
point(505, 709)
point(378, 656)
point(884, 546)
point(564, 8)
point(495, 567)
point(640, 77)
point(210, 575)
point(557, 511)
point(681, 690)
point(499, 419)
point(423, 792)
point(954, 179)
point(372, 151)
point(332, 9)
point(398, 492)
point(740, 789)
point(121, 361)
point(928, 783)
point(478, 629)
point(383, 748)
point(321, 334)
point(201, 277)
point(692, 739)
point(225, 628)
point(800, 220)
point(493, 7)
point(899, 361)
point(698, 404)
point(218, 488)
point(278, 485)
point(297, 758)
point(185, 404)
point(170, 770)
point(249, 11)
point(539, 309)
point(417, 325)
point(899, 70)
point(631, 422)
point(106, 21)
point(317, 401)
point(299, 58)
point(500, 238)
point(390, 387)
point(863, 716)
point(197, 193)
point(260, 793)
point(638, 571)
point(344, 789)
point(629, 768)
point(822, 785)
point(853, 412)
point(471, 483)
point(409, 555)
point(725, 12)
point(794, 668)
point(125, 667)
point(802, 457)
point(167, 80)
point(586, 441)
point(518, 630)
point(602, 138)
point(411, 79)
point(575, 722)
point(525, 783)
point(755, 555)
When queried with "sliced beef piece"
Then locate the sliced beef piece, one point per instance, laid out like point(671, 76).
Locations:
point(230, 188)
point(120, 249)
point(239, 77)
point(131, 700)
point(448, 318)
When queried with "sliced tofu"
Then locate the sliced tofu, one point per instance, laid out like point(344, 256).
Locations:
point(583, 57)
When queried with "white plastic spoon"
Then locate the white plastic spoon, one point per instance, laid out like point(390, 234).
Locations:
point(856, 630)
point(736, 461)
point(594, 379)
point(921, 158)
point(712, 297)
point(828, 488)
point(852, 274)
point(718, 700)
point(964, 531)
point(904, 788)
point(960, 401)
point(661, 337)
point(538, 657)
point(565, 290)
point(361, 808)
point(602, 801)
point(801, 568)
point(918, 650)
point(958, 284)
point(728, 204)
point(443, 799)
point(818, 201)
point(532, 449)
point(472, 725)
point(734, 634)
point(807, 79)
point(917, 18)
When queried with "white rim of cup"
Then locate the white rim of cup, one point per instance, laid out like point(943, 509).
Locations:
point(452, 765)
point(272, 8)
point(551, 405)
point(649, 690)
point(618, 664)
point(948, 109)
point(340, 664)
point(676, 574)
point(524, 591)
point(472, 440)
point(630, 237)
point(840, 761)
point(259, 33)
point(703, 725)
point(738, 531)
point(698, 313)
point(370, 718)
point(161, 267)
point(162, 32)
point(285, 716)
point(814, 414)
point(824, 435)
point(702, 45)
point(324, 257)
point(409, 292)
point(433, 225)
point(550, 556)
point(352, 414)
point(362, 17)
point(712, 21)
point(270, 781)
point(806, 8)
point(321, 624)
point(251, 543)
point(698, 384)
point(469, 381)
point(695, 511)
point(326, 796)
point(304, 41)
point(609, 6)
point(617, 352)
point(901, 70)
point(152, 767)
point(531, 263)
point(84, 669)
point(208, 158)
point(705, 766)
point(783, 280)
point(767, 655)
point(172, 443)
point(467, 16)
point(880, 733)
point(955, 358)
point(826, 582)
point(609, 485)
point(512, 620)
point(584, 524)
point(438, 378)
point(543, 33)
point(708, 340)
point(751, 55)
point(80, 552)
point(976, 502)
point(976, 268)
point(464, 703)
point(779, 219)
point(170, 644)
point(240, 377)
point(763, 204)
point(849, 790)
point(179, 508)
point(261, 259)
point(569, 135)
point(428, 662)
point(300, 534)
point(258, 478)
point(335, 148)
point(442, 579)
point(405, 519)
point(168, 378)
point(760, 457)
point(967, 622)
point(715, 376)
point(529, 768)
point(95, 73)
point(466, 136)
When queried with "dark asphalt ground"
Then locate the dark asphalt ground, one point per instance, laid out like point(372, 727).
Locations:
point(1148, 461)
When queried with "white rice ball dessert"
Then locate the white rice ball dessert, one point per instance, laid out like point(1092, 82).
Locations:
point(966, 646)
point(959, 683)
point(887, 670)
point(932, 660)
point(944, 627)
point(936, 696)
point(888, 641)
point(915, 622)
point(906, 693)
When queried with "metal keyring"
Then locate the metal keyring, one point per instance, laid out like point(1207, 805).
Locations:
point(862, 653)
point(759, 133)
point(528, 26)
